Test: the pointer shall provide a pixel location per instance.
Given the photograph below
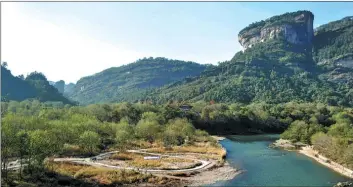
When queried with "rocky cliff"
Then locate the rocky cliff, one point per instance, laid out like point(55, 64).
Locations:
point(296, 28)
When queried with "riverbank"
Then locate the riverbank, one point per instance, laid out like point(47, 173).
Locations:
point(218, 138)
point(214, 173)
point(310, 152)
point(211, 167)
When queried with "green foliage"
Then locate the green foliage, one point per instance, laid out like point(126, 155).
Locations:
point(301, 131)
point(177, 131)
point(124, 131)
point(333, 41)
point(89, 141)
point(148, 130)
point(335, 141)
point(275, 20)
point(132, 82)
point(35, 86)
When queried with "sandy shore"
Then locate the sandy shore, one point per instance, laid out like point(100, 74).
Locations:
point(219, 138)
point(225, 172)
point(308, 151)
point(285, 144)
point(212, 175)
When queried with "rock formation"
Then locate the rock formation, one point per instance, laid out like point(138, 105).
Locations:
point(295, 28)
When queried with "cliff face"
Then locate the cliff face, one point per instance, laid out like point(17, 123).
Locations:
point(296, 28)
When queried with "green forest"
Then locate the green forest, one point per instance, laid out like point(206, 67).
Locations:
point(130, 82)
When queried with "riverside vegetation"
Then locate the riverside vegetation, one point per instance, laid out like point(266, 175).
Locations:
point(302, 91)
point(36, 131)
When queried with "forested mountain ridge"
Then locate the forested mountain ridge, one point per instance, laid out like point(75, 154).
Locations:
point(34, 86)
point(273, 70)
point(333, 50)
point(132, 81)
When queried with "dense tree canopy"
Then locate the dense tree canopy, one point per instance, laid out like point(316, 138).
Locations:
point(35, 86)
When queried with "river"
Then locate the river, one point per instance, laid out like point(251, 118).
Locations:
point(266, 166)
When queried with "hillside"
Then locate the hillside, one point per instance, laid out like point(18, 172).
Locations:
point(62, 87)
point(270, 69)
point(333, 50)
point(131, 82)
point(34, 86)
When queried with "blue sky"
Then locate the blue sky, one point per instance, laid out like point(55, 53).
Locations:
point(69, 40)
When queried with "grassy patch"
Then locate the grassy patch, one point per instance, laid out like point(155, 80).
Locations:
point(217, 151)
point(141, 163)
point(100, 175)
point(125, 156)
point(65, 168)
point(111, 176)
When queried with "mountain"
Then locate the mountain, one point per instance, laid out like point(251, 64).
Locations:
point(333, 50)
point(284, 59)
point(68, 88)
point(279, 63)
point(62, 87)
point(295, 28)
point(133, 81)
point(34, 86)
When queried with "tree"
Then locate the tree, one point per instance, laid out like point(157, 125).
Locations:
point(41, 145)
point(321, 142)
point(123, 131)
point(89, 141)
point(177, 131)
point(148, 130)
point(23, 145)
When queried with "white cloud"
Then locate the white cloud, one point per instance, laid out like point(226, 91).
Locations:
point(30, 44)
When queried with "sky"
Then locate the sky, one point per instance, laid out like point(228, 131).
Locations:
point(70, 40)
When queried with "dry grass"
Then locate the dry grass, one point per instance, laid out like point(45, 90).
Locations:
point(209, 150)
point(126, 156)
point(141, 163)
point(65, 168)
point(101, 175)
point(174, 160)
point(72, 150)
point(137, 160)
point(111, 176)
point(164, 181)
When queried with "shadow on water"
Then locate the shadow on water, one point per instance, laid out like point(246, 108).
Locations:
point(265, 166)
point(254, 138)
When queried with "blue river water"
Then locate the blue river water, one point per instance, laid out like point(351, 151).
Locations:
point(264, 166)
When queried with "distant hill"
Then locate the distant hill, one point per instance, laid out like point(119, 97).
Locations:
point(34, 86)
point(69, 88)
point(62, 87)
point(132, 81)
